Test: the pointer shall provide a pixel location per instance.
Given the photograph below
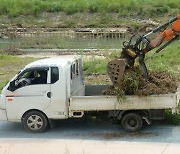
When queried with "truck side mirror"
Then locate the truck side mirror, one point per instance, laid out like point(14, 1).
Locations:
point(12, 86)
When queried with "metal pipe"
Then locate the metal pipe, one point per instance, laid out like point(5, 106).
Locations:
point(164, 25)
point(161, 26)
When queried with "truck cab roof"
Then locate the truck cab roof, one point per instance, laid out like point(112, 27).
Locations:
point(61, 61)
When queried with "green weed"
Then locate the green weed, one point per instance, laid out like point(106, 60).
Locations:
point(95, 66)
point(172, 118)
point(120, 94)
point(125, 7)
point(166, 60)
point(9, 66)
point(130, 82)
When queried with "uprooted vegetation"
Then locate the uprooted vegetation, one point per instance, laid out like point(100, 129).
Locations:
point(134, 83)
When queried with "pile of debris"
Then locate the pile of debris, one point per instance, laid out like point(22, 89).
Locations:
point(134, 83)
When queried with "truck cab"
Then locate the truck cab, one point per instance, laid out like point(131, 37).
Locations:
point(44, 86)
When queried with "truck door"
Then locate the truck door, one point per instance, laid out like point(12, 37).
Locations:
point(59, 103)
point(32, 92)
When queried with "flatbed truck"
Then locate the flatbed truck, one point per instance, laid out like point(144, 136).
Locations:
point(53, 88)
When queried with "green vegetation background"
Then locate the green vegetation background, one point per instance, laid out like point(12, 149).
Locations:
point(124, 7)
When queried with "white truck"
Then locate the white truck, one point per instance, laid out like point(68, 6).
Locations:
point(53, 88)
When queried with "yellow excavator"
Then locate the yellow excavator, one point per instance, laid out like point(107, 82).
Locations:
point(139, 45)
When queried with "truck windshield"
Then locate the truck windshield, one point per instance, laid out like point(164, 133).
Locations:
point(31, 77)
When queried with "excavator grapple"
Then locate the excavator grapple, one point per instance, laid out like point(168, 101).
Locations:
point(116, 70)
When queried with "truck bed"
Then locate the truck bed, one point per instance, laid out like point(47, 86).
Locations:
point(94, 100)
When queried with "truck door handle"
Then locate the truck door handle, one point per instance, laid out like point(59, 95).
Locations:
point(49, 94)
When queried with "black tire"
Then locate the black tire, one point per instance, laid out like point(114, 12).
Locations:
point(132, 122)
point(35, 122)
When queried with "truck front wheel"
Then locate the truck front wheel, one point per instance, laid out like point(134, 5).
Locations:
point(35, 121)
point(132, 122)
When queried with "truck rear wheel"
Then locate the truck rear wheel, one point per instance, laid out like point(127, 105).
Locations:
point(35, 122)
point(132, 122)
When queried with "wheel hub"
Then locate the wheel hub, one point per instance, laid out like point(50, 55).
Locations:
point(132, 123)
point(35, 122)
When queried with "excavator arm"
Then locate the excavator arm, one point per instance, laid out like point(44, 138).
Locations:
point(139, 45)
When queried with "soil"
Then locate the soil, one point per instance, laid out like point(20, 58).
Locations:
point(134, 83)
point(116, 135)
point(158, 83)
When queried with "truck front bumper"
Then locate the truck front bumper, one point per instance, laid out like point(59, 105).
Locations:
point(3, 116)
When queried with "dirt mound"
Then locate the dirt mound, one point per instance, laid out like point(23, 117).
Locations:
point(133, 83)
point(158, 83)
